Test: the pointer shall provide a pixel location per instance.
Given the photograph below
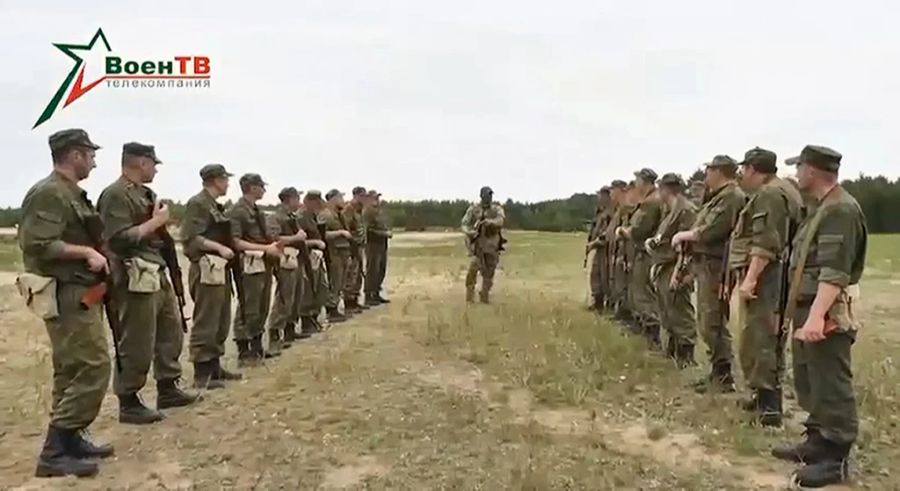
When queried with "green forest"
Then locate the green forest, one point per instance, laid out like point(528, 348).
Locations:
point(878, 196)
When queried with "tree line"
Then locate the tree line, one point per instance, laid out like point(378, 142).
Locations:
point(878, 196)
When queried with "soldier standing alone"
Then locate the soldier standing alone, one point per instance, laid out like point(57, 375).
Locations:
point(709, 235)
point(378, 233)
point(147, 310)
point(764, 228)
point(206, 236)
point(600, 270)
point(827, 262)
point(482, 225)
point(58, 236)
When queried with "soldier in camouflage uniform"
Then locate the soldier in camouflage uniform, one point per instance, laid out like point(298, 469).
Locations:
point(643, 225)
point(149, 321)
point(709, 235)
point(353, 219)
point(378, 233)
point(673, 289)
point(826, 264)
point(206, 237)
point(760, 237)
point(597, 250)
point(286, 304)
point(338, 239)
point(315, 289)
point(58, 235)
point(258, 254)
point(698, 193)
point(482, 225)
point(618, 278)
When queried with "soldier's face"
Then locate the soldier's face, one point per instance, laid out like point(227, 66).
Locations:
point(148, 169)
point(805, 175)
point(313, 205)
point(83, 161)
point(616, 195)
point(220, 184)
point(258, 191)
point(487, 197)
point(293, 203)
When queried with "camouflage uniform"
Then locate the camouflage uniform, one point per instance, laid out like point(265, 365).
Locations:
point(600, 267)
point(149, 322)
point(338, 255)
point(315, 289)
point(830, 245)
point(378, 233)
point(763, 229)
point(55, 213)
point(352, 214)
point(713, 227)
point(249, 224)
point(288, 293)
point(675, 308)
point(483, 246)
point(621, 264)
point(643, 225)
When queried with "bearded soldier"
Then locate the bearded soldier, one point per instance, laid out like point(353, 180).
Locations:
point(149, 317)
point(482, 225)
point(827, 261)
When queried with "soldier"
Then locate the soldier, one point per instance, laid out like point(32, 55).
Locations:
point(58, 236)
point(482, 225)
point(826, 264)
point(643, 225)
point(764, 229)
point(257, 252)
point(618, 279)
point(672, 285)
point(337, 238)
point(352, 216)
point(285, 306)
point(315, 289)
point(599, 272)
point(206, 237)
point(698, 193)
point(709, 235)
point(148, 313)
point(378, 233)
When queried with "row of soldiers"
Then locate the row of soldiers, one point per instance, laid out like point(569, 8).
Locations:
point(118, 260)
point(791, 251)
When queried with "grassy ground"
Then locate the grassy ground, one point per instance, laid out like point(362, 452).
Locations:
point(531, 392)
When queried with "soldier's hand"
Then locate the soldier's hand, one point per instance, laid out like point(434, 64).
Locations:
point(813, 330)
point(225, 252)
point(300, 235)
point(650, 244)
point(390, 234)
point(346, 234)
point(161, 213)
point(97, 262)
point(273, 249)
point(747, 290)
point(318, 244)
point(681, 237)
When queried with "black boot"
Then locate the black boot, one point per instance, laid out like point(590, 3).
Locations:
point(812, 450)
point(133, 411)
point(318, 325)
point(290, 335)
point(769, 408)
point(82, 448)
point(750, 405)
point(651, 332)
point(334, 316)
point(833, 470)
point(203, 376)
point(256, 349)
point(598, 304)
point(671, 348)
point(684, 355)
point(57, 459)
point(351, 305)
point(483, 297)
point(720, 380)
point(170, 395)
point(219, 372)
point(307, 327)
point(378, 298)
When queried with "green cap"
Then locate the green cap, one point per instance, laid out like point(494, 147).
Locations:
point(136, 149)
point(819, 157)
point(252, 180)
point(761, 159)
point(332, 193)
point(486, 189)
point(722, 161)
point(313, 194)
point(672, 179)
point(288, 192)
point(359, 191)
point(212, 171)
point(646, 174)
point(74, 137)
point(373, 193)
point(604, 190)
point(618, 184)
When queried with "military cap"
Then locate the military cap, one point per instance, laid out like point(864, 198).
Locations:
point(136, 149)
point(374, 193)
point(604, 190)
point(288, 192)
point(646, 174)
point(761, 159)
point(792, 161)
point(672, 179)
point(74, 137)
point(252, 180)
point(486, 189)
point(212, 171)
point(618, 184)
point(630, 185)
point(332, 193)
point(314, 194)
point(722, 161)
point(359, 191)
point(819, 157)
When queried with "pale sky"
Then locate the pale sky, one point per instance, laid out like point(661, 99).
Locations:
point(433, 99)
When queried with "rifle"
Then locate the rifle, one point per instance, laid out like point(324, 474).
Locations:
point(221, 233)
point(680, 273)
point(100, 292)
point(170, 257)
point(784, 280)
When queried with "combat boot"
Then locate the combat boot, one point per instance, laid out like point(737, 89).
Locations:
point(81, 447)
point(720, 380)
point(769, 408)
point(203, 376)
point(833, 470)
point(307, 327)
point(219, 372)
point(598, 305)
point(378, 298)
point(651, 333)
point(257, 351)
point(470, 295)
point(274, 343)
point(351, 306)
point(812, 450)
point(684, 355)
point(484, 297)
point(57, 459)
point(751, 405)
point(334, 316)
point(169, 395)
point(133, 411)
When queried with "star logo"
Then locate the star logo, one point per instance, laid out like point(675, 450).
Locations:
point(77, 88)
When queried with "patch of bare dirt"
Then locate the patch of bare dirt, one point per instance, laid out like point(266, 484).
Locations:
point(354, 474)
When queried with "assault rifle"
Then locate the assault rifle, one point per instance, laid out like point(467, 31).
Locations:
point(221, 233)
point(100, 292)
point(170, 257)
